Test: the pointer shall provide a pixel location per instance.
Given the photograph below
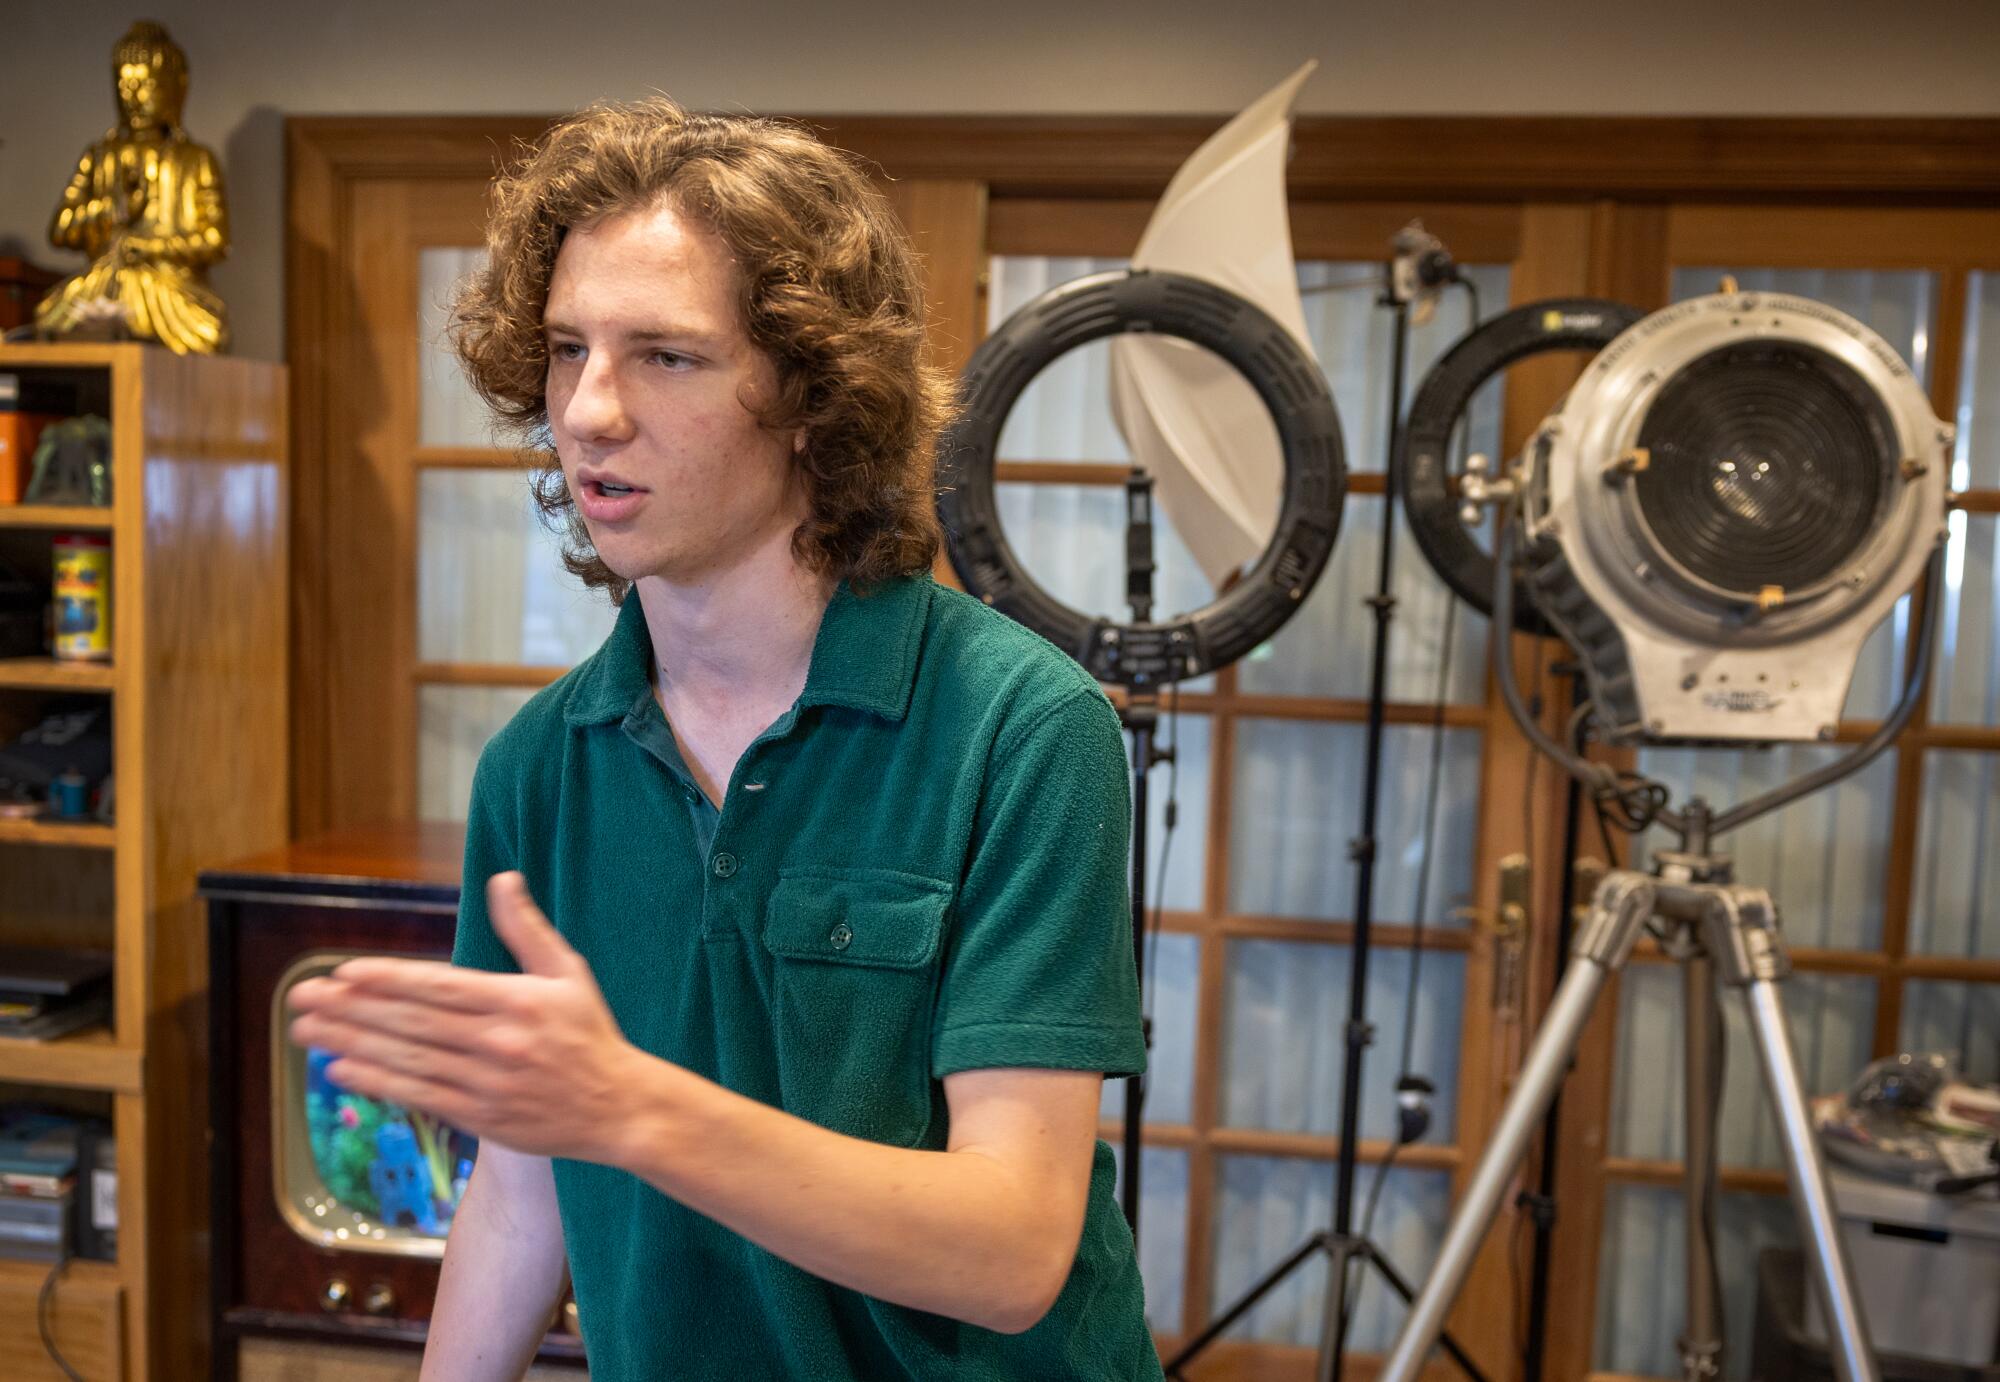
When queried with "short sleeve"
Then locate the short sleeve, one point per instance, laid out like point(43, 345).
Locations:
point(1038, 971)
point(491, 846)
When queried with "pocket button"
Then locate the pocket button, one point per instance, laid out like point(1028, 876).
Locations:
point(840, 937)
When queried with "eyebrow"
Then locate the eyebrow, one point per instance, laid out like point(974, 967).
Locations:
point(641, 334)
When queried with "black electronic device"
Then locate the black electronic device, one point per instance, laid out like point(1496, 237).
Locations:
point(97, 1194)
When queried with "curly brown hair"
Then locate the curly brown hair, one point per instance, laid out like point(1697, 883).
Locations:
point(829, 291)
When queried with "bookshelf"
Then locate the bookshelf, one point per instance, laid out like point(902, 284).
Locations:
point(197, 690)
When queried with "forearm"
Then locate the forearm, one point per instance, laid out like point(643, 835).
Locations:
point(503, 1273)
point(954, 1233)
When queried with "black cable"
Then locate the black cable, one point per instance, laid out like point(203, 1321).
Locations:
point(1464, 280)
point(1514, 1276)
point(43, 1302)
point(1537, 687)
point(1435, 773)
point(1424, 857)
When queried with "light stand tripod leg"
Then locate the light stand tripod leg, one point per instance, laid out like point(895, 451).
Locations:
point(1744, 938)
point(1701, 1344)
point(1242, 1307)
point(1618, 915)
point(1403, 1289)
point(1140, 719)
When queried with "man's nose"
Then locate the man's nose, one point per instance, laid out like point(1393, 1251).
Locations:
point(596, 410)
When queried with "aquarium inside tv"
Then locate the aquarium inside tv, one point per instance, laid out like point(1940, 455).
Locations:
point(351, 1172)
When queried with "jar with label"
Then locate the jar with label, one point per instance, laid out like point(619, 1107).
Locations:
point(83, 597)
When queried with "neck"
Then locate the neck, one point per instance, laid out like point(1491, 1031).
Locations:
point(745, 631)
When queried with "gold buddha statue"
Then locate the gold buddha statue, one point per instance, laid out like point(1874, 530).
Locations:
point(146, 205)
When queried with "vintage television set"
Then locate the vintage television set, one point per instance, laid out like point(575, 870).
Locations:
point(330, 1209)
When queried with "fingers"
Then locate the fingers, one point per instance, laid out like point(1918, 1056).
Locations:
point(429, 982)
point(389, 1050)
point(439, 1028)
point(424, 1093)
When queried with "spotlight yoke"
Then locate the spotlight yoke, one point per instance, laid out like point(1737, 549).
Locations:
point(1733, 495)
point(1287, 381)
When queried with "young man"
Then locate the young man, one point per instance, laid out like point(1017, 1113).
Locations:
point(799, 1072)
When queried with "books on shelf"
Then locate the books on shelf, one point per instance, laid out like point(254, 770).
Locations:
point(47, 993)
point(42, 1151)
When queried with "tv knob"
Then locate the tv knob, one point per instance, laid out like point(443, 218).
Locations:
point(380, 1300)
point(333, 1296)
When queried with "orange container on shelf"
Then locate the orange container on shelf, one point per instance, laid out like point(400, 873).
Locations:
point(83, 597)
point(23, 415)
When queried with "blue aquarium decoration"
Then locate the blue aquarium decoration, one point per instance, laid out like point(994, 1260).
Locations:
point(404, 1170)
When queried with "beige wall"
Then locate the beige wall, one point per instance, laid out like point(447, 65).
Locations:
point(256, 61)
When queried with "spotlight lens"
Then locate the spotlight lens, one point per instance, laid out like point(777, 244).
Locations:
point(1771, 462)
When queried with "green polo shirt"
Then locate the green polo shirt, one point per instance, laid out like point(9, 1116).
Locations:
point(919, 869)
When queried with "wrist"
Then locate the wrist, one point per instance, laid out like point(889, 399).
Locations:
point(648, 1108)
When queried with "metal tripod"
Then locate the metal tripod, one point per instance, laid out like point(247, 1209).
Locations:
point(1709, 923)
point(1720, 933)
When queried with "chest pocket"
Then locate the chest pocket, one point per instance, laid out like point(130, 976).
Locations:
point(855, 972)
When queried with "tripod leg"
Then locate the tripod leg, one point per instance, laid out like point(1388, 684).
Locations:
point(1812, 1197)
point(1618, 914)
point(1701, 1345)
point(1753, 959)
point(1402, 1288)
point(1243, 1306)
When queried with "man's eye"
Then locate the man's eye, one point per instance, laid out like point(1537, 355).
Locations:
point(672, 359)
point(567, 351)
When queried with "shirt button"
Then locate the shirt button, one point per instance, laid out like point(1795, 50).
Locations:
point(840, 937)
point(725, 865)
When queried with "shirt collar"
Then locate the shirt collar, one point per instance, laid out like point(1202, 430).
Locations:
point(865, 655)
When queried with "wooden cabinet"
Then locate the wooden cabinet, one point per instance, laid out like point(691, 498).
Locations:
point(389, 890)
point(198, 697)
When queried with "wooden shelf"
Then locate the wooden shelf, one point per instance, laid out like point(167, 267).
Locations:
point(198, 589)
point(87, 1320)
point(55, 516)
point(78, 835)
point(52, 674)
point(81, 1270)
point(90, 1059)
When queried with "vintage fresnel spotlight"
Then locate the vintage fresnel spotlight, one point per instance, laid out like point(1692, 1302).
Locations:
point(1728, 501)
point(1737, 490)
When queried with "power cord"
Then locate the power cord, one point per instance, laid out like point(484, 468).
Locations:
point(43, 1304)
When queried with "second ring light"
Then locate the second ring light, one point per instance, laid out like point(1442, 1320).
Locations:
point(1287, 381)
point(1419, 474)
